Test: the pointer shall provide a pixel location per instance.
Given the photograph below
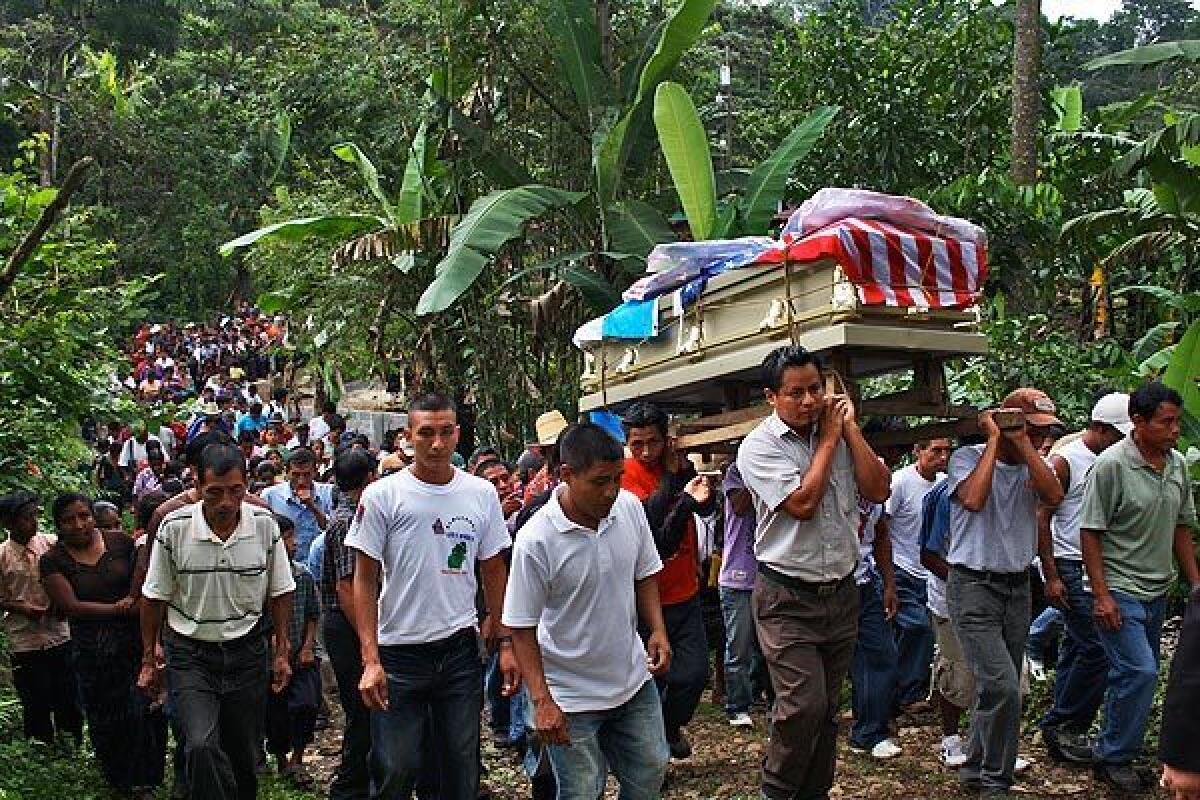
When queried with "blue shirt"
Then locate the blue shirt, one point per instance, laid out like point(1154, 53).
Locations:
point(935, 519)
point(316, 557)
point(282, 500)
point(250, 423)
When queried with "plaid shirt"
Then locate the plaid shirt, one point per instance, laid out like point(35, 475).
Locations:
point(304, 607)
point(339, 559)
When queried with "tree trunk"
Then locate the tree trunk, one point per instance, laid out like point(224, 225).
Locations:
point(604, 27)
point(1026, 97)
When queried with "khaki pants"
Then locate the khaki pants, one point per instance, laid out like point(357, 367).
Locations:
point(807, 640)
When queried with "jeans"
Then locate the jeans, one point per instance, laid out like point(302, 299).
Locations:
point(1082, 664)
point(990, 614)
point(628, 739)
point(1043, 632)
point(499, 706)
point(807, 639)
point(873, 670)
point(914, 639)
point(683, 684)
point(351, 781)
point(744, 666)
point(220, 691)
point(435, 691)
point(45, 684)
point(1132, 675)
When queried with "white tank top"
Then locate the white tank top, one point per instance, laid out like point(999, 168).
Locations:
point(1064, 524)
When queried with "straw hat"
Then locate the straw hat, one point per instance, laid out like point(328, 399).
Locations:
point(549, 426)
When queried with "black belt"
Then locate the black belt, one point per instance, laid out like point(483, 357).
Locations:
point(818, 588)
point(991, 576)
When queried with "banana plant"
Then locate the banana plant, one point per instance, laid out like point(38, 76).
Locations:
point(616, 106)
point(684, 143)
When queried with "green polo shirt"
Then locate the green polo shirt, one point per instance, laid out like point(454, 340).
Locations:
point(1136, 509)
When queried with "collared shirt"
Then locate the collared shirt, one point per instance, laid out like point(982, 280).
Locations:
point(217, 591)
point(20, 582)
point(1001, 536)
point(773, 461)
point(304, 608)
point(1136, 508)
point(338, 563)
point(282, 500)
point(576, 586)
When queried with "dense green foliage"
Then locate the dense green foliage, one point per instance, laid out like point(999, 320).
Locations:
point(373, 129)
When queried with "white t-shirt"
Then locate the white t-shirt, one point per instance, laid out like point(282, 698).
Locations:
point(133, 452)
point(909, 488)
point(318, 428)
point(576, 587)
point(428, 538)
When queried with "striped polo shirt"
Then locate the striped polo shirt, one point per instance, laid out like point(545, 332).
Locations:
point(217, 591)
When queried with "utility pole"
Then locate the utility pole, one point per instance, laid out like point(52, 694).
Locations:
point(725, 103)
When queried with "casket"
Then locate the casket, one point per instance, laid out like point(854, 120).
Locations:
point(705, 358)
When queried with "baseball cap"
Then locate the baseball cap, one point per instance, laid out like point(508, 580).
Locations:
point(1038, 407)
point(1113, 409)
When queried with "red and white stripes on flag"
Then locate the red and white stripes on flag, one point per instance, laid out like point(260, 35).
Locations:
point(894, 266)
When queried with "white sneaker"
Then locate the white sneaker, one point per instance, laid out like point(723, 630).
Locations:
point(1037, 670)
point(741, 720)
point(885, 750)
point(1022, 764)
point(952, 751)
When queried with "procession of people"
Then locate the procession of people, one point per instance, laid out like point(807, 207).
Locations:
point(565, 593)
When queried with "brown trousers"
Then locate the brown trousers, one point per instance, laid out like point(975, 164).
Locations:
point(807, 641)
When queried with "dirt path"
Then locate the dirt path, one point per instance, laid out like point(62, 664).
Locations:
point(724, 765)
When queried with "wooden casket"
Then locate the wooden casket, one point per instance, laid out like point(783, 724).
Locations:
point(706, 359)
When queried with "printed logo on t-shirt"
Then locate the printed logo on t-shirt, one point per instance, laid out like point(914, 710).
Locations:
point(460, 533)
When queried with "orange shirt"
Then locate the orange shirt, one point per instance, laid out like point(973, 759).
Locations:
point(679, 579)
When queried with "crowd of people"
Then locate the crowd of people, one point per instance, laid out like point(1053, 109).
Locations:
point(577, 596)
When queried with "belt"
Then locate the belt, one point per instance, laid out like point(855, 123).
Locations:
point(440, 645)
point(991, 576)
point(818, 588)
point(256, 635)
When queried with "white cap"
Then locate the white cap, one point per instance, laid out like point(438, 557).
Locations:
point(1113, 409)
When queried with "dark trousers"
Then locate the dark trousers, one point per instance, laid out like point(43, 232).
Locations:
point(130, 738)
point(292, 713)
point(220, 691)
point(435, 691)
point(807, 638)
point(351, 781)
point(45, 684)
point(683, 683)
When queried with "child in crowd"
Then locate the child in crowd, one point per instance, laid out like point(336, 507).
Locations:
point(292, 713)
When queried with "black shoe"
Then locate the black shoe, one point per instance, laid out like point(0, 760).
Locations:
point(680, 747)
point(1068, 748)
point(1119, 776)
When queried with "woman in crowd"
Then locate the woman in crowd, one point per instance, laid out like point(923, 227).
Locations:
point(88, 575)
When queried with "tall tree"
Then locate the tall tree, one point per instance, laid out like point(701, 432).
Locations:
point(1026, 97)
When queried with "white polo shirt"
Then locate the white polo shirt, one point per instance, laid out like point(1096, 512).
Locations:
point(428, 537)
point(575, 586)
point(217, 591)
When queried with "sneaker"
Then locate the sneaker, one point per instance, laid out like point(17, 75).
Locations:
point(1119, 776)
point(952, 751)
point(680, 747)
point(1021, 765)
point(1037, 669)
point(1068, 748)
point(885, 750)
point(741, 720)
